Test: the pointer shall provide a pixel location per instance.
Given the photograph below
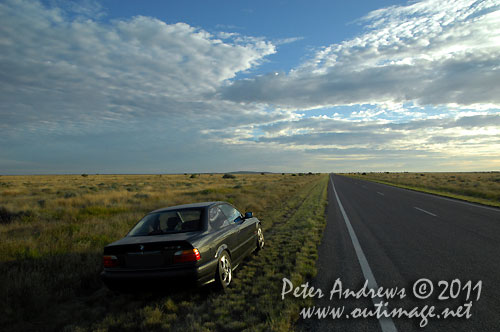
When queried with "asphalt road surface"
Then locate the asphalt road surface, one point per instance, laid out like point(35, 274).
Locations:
point(393, 238)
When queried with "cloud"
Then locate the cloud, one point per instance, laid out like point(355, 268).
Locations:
point(429, 53)
point(81, 93)
point(289, 40)
point(345, 139)
point(83, 9)
point(76, 71)
point(332, 138)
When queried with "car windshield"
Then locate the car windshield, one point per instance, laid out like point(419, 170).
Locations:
point(172, 221)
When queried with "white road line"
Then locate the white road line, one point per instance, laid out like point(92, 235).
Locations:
point(441, 197)
point(386, 323)
point(382, 194)
point(432, 214)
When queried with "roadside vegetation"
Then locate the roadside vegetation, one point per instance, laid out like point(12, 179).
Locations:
point(53, 230)
point(477, 187)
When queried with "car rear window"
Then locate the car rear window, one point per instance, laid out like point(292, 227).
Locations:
point(172, 221)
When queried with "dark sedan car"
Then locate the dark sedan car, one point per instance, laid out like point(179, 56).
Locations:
point(202, 243)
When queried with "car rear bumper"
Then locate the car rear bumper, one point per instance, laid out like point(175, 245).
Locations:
point(200, 275)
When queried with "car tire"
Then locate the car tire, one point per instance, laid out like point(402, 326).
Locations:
point(260, 238)
point(224, 273)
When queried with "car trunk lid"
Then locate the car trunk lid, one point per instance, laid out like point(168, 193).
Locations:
point(146, 254)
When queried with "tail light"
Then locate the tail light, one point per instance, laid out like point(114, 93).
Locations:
point(109, 261)
point(191, 255)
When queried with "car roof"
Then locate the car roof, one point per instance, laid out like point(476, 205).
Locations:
point(188, 206)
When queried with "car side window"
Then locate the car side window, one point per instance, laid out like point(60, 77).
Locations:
point(162, 218)
point(230, 212)
point(216, 217)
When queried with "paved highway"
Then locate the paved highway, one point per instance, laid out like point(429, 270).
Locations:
point(393, 237)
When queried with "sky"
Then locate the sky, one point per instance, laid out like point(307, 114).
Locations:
point(119, 86)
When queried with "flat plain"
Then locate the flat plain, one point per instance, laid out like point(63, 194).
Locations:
point(53, 230)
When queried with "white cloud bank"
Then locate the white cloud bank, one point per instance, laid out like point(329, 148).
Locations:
point(429, 53)
point(439, 54)
point(141, 95)
point(55, 68)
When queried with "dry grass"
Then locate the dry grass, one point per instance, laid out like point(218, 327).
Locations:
point(479, 187)
point(53, 230)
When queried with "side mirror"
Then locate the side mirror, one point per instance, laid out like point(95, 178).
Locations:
point(248, 215)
